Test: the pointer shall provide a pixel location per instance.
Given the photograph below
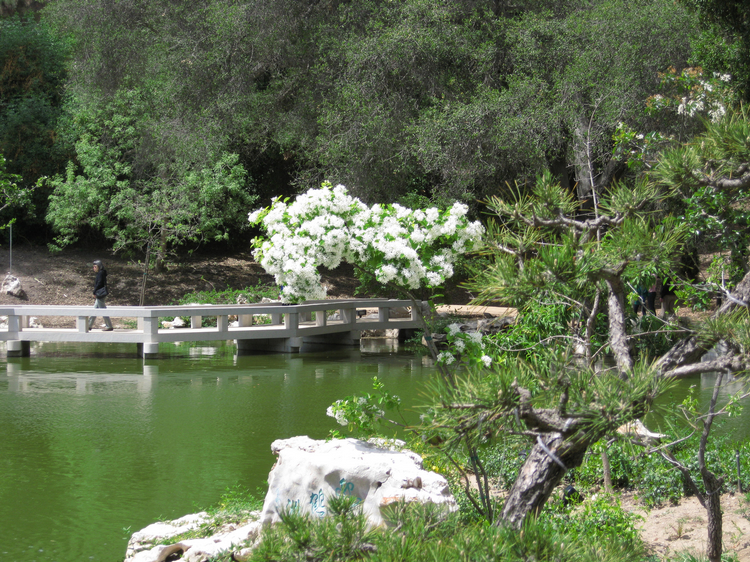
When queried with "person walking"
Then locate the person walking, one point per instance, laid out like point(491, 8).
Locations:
point(100, 292)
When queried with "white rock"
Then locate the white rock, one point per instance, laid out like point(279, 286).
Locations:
point(178, 322)
point(399, 312)
point(158, 553)
point(12, 286)
point(200, 550)
point(140, 547)
point(309, 472)
point(638, 430)
point(143, 539)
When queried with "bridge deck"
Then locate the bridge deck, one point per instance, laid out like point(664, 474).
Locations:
point(271, 327)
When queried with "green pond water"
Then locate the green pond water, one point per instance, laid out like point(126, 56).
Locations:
point(96, 444)
point(93, 441)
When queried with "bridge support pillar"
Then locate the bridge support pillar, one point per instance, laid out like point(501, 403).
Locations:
point(254, 347)
point(148, 350)
point(18, 348)
point(405, 334)
point(334, 340)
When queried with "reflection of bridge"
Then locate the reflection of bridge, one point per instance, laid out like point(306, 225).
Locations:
point(258, 328)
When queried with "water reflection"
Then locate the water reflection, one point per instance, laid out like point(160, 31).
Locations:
point(23, 379)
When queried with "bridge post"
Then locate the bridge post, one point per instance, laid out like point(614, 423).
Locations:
point(82, 323)
point(222, 323)
point(384, 314)
point(291, 321)
point(149, 349)
point(16, 347)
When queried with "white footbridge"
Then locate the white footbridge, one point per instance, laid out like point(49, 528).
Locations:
point(256, 328)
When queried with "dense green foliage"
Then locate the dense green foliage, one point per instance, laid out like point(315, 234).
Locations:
point(415, 532)
point(252, 294)
point(11, 194)
point(724, 42)
point(710, 175)
point(32, 78)
point(433, 98)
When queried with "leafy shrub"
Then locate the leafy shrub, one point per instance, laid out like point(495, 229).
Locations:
point(595, 520)
point(621, 463)
point(229, 296)
point(653, 336)
point(425, 532)
point(502, 461)
point(252, 294)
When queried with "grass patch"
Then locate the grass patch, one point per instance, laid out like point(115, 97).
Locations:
point(236, 506)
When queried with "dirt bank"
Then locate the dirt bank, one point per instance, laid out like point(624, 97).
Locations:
point(67, 278)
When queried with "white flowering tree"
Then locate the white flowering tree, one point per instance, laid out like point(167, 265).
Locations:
point(403, 248)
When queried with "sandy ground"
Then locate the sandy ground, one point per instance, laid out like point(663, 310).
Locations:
point(67, 278)
point(674, 528)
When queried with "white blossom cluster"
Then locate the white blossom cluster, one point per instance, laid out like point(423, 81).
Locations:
point(360, 408)
point(336, 411)
point(323, 227)
point(701, 99)
point(469, 346)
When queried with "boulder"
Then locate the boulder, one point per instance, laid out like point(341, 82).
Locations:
point(637, 430)
point(399, 312)
point(12, 286)
point(309, 472)
point(229, 538)
point(144, 539)
point(493, 325)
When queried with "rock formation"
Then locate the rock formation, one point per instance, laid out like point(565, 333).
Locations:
point(307, 473)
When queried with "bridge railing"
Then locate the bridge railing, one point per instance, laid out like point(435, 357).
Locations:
point(262, 321)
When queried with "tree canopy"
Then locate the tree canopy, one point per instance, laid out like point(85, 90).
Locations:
point(440, 99)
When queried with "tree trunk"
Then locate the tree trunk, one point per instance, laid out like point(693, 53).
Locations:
point(618, 337)
point(161, 252)
point(560, 446)
point(607, 470)
point(540, 474)
point(713, 509)
point(584, 187)
point(711, 483)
